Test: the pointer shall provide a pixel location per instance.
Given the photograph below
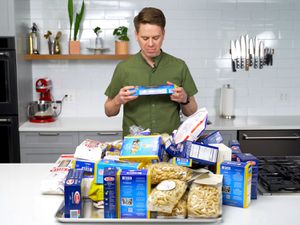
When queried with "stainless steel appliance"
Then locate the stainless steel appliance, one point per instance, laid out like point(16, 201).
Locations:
point(9, 134)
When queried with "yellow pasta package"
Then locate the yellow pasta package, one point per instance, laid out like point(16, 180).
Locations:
point(178, 212)
point(205, 197)
point(166, 195)
point(164, 171)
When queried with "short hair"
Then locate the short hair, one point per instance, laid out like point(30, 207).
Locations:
point(150, 15)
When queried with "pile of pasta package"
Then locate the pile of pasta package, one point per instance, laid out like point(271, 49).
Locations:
point(187, 174)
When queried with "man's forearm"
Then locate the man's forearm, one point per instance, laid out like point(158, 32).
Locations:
point(112, 108)
point(190, 108)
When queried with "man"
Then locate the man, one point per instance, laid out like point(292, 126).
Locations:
point(151, 66)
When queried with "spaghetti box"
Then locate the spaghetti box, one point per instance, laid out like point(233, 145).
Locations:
point(237, 178)
point(73, 194)
point(153, 90)
point(203, 154)
point(102, 164)
point(110, 192)
point(142, 148)
point(235, 150)
point(134, 187)
point(233, 142)
point(85, 165)
point(211, 138)
point(249, 158)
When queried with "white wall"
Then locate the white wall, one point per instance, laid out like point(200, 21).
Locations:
point(198, 31)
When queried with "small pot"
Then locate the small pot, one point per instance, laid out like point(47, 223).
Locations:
point(121, 47)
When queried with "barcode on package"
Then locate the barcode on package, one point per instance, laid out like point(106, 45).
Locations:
point(74, 213)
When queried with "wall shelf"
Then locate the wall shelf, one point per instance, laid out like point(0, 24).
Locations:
point(76, 57)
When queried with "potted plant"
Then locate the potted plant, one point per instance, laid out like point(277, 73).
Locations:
point(98, 40)
point(74, 44)
point(122, 40)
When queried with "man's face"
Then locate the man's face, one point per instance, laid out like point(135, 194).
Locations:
point(150, 38)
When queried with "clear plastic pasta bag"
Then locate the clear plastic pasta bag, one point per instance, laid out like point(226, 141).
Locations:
point(205, 197)
point(178, 212)
point(164, 171)
point(166, 195)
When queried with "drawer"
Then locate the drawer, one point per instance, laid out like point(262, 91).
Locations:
point(49, 139)
point(103, 136)
point(43, 155)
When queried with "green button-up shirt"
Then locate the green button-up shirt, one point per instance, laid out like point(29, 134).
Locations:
point(156, 112)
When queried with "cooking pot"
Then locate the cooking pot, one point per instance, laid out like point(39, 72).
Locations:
point(44, 111)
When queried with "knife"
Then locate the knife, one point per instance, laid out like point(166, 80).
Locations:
point(256, 54)
point(238, 53)
point(261, 54)
point(251, 52)
point(233, 55)
point(247, 53)
point(243, 52)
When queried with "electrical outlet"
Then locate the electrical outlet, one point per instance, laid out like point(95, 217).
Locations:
point(283, 97)
point(71, 97)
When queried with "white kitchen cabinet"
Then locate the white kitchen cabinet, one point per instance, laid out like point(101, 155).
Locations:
point(7, 20)
point(41, 147)
point(103, 136)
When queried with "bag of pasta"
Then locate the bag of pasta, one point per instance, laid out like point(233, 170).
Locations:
point(166, 195)
point(205, 197)
point(178, 212)
point(165, 171)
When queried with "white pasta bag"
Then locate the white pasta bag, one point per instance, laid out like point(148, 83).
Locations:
point(166, 195)
point(165, 171)
point(205, 197)
point(90, 150)
point(192, 127)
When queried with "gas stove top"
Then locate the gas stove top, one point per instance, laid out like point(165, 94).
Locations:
point(279, 175)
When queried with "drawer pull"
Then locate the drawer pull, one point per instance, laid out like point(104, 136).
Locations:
point(295, 137)
point(5, 120)
point(48, 134)
point(108, 133)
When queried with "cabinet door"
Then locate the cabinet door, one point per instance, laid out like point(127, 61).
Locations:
point(7, 20)
point(46, 146)
point(270, 142)
point(103, 136)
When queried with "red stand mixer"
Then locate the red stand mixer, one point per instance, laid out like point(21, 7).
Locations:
point(45, 110)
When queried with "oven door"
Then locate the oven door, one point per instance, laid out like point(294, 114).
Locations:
point(8, 83)
point(9, 139)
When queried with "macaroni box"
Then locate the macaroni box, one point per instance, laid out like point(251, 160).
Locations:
point(102, 164)
point(142, 148)
point(85, 165)
point(73, 196)
point(203, 154)
point(153, 90)
point(134, 187)
point(237, 178)
point(110, 192)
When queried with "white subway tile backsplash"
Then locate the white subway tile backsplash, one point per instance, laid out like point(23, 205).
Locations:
point(197, 31)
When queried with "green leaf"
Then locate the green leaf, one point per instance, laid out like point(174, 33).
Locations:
point(70, 11)
point(78, 20)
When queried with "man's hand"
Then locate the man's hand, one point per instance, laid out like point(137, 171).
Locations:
point(179, 95)
point(125, 95)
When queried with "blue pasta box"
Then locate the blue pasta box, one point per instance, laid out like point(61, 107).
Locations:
point(85, 165)
point(211, 138)
point(236, 189)
point(181, 161)
point(110, 192)
point(249, 158)
point(134, 187)
point(202, 154)
point(153, 90)
point(233, 142)
point(119, 164)
point(73, 194)
point(142, 148)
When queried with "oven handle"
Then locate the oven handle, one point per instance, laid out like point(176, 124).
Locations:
point(5, 120)
point(295, 137)
point(4, 54)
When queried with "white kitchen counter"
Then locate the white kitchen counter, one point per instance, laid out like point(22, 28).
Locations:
point(115, 124)
point(22, 203)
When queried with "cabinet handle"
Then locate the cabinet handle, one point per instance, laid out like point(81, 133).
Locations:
point(48, 134)
point(295, 137)
point(107, 133)
point(5, 120)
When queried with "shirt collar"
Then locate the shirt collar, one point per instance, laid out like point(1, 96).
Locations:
point(156, 59)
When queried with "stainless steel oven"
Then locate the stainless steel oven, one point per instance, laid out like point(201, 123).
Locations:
point(9, 134)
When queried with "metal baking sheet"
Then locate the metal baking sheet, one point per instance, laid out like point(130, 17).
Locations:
point(93, 215)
